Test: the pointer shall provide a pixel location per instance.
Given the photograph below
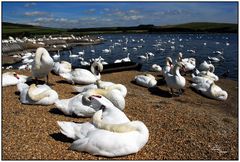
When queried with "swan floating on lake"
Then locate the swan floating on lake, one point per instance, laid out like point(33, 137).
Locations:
point(83, 76)
point(43, 64)
point(40, 94)
point(106, 138)
point(175, 80)
point(62, 67)
point(12, 78)
point(211, 90)
point(146, 80)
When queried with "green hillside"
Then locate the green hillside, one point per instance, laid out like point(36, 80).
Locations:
point(204, 26)
point(20, 30)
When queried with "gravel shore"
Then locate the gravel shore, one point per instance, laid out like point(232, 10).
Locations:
point(187, 127)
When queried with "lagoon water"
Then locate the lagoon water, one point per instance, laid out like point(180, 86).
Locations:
point(163, 45)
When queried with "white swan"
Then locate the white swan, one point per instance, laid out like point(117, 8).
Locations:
point(204, 66)
point(12, 78)
point(56, 56)
point(157, 68)
point(144, 57)
point(115, 94)
point(72, 55)
point(175, 80)
point(168, 67)
point(40, 94)
point(83, 76)
point(105, 138)
point(62, 67)
point(211, 90)
point(207, 74)
point(42, 64)
point(146, 80)
point(189, 63)
point(98, 84)
point(78, 106)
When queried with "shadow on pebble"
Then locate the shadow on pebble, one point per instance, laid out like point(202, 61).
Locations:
point(58, 112)
point(159, 92)
point(61, 137)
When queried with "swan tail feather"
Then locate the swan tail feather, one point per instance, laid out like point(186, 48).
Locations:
point(67, 128)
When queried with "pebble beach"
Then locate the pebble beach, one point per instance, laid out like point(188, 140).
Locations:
point(188, 127)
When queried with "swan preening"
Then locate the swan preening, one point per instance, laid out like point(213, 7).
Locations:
point(146, 80)
point(83, 76)
point(210, 89)
point(168, 67)
point(37, 94)
point(62, 67)
point(12, 78)
point(109, 134)
point(115, 94)
point(189, 63)
point(42, 64)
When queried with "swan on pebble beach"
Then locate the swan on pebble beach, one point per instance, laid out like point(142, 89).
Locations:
point(110, 138)
point(37, 94)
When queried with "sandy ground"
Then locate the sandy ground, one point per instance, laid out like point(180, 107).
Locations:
point(187, 127)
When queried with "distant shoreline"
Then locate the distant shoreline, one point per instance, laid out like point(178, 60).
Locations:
point(21, 30)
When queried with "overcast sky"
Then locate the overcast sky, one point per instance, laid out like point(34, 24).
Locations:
point(108, 14)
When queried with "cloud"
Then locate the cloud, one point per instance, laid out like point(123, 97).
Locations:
point(35, 13)
point(29, 4)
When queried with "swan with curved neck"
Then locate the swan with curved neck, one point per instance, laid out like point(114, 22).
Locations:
point(167, 68)
point(210, 89)
point(189, 63)
point(112, 94)
point(105, 136)
point(62, 67)
point(146, 80)
point(83, 76)
point(175, 80)
point(40, 94)
point(204, 66)
point(42, 64)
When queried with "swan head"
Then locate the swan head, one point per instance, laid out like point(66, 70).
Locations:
point(117, 128)
point(169, 61)
point(96, 68)
point(100, 102)
point(15, 75)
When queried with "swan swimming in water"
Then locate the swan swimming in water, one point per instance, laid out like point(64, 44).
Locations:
point(211, 90)
point(42, 64)
point(12, 78)
point(62, 67)
point(40, 94)
point(175, 80)
point(106, 137)
point(146, 80)
point(83, 76)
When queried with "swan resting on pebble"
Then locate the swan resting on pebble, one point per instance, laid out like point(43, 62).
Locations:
point(115, 94)
point(146, 80)
point(211, 90)
point(106, 137)
point(62, 67)
point(40, 94)
point(83, 76)
point(12, 78)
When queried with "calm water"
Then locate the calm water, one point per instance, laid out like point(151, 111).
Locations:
point(172, 45)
